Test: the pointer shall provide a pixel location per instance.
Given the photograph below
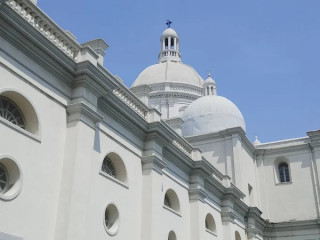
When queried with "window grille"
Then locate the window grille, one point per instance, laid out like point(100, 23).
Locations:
point(108, 167)
point(10, 111)
point(3, 179)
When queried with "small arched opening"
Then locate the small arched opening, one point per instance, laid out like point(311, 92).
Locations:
point(16, 109)
point(113, 166)
point(210, 223)
point(237, 235)
point(282, 169)
point(171, 200)
point(172, 236)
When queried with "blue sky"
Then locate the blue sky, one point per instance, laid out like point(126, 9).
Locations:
point(263, 55)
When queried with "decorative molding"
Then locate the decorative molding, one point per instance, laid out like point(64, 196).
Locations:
point(132, 102)
point(183, 147)
point(36, 18)
point(314, 137)
point(254, 226)
point(197, 193)
point(112, 107)
point(228, 215)
point(153, 163)
point(82, 112)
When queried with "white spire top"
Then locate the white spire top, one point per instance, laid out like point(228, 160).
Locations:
point(210, 86)
point(256, 141)
point(169, 46)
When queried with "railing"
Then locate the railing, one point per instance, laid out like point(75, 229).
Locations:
point(36, 18)
point(131, 102)
point(184, 148)
point(157, 87)
point(170, 53)
point(184, 88)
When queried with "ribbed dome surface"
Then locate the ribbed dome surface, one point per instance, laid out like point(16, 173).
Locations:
point(210, 114)
point(175, 72)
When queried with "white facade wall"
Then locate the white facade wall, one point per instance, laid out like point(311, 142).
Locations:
point(288, 201)
point(39, 156)
point(64, 194)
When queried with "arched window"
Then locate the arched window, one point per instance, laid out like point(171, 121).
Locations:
point(17, 109)
point(284, 172)
point(11, 112)
point(237, 235)
point(172, 236)
point(172, 43)
point(113, 166)
point(171, 200)
point(210, 223)
point(166, 43)
point(108, 167)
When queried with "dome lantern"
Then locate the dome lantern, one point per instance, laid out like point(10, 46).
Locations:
point(169, 45)
point(209, 86)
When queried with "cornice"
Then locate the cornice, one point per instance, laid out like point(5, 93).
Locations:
point(233, 192)
point(121, 113)
point(153, 163)
point(215, 187)
point(197, 193)
point(276, 228)
point(86, 71)
point(178, 158)
point(81, 111)
point(37, 19)
point(202, 167)
point(222, 135)
point(314, 137)
point(34, 45)
point(282, 150)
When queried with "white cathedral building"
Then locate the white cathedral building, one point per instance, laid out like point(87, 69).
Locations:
point(82, 156)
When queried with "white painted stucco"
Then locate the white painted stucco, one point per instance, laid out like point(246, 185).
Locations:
point(77, 113)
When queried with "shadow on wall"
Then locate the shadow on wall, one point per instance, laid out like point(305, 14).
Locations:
point(96, 144)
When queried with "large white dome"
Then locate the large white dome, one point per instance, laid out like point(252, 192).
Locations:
point(210, 114)
point(175, 72)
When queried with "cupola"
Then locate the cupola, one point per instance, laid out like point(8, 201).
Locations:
point(209, 86)
point(169, 41)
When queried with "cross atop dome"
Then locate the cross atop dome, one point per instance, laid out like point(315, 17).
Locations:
point(168, 23)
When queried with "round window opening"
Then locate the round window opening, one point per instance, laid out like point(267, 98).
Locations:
point(10, 179)
point(4, 179)
point(111, 219)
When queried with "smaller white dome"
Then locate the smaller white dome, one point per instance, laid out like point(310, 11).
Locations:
point(170, 32)
point(209, 80)
point(210, 114)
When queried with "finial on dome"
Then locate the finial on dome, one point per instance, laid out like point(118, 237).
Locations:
point(168, 23)
point(256, 141)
